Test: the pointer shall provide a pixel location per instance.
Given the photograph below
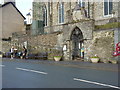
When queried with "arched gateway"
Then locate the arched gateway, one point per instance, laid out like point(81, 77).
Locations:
point(77, 43)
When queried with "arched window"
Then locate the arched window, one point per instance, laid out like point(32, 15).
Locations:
point(45, 15)
point(61, 12)
point(81, 3)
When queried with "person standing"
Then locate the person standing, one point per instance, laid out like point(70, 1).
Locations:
point(12, 52)
point(24, 53)
point(82, 53)
point(15, 52)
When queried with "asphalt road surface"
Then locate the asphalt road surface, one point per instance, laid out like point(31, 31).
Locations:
point(19, 74)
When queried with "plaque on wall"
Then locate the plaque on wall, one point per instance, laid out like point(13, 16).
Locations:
point(65, 47)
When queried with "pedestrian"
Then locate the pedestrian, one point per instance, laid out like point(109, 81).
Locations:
point(12, 52)
point(82, 53)
point(15, 52)
point(24, 52)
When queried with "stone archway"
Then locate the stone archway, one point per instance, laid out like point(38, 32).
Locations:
point(76, 43)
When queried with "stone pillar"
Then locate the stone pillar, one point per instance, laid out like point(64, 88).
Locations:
point(67, 53)
point(116, 40)
point(119, 41)
point(116, 36)
point(70, 49)
point(86, 49)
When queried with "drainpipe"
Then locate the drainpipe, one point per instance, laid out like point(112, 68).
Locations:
point(88, 9)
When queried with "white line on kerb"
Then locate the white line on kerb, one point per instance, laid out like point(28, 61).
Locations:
point(31, 70)
point(2, 65)
point(96, 83)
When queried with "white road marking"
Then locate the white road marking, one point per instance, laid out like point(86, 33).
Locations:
point(96, 83)
point(2, 65)
point(31, 70)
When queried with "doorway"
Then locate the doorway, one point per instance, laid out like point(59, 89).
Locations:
point(77, 47)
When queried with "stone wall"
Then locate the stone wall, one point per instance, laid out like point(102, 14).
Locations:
point(6, 45)
point(102, 45)
point(68, 28)
point(100, 42)
point(35, 44)
point(38, 43)
point(118, 34)
point(37, 9)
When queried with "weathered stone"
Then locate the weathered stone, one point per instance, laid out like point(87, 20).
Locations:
point(102, 45)
point(100, 42)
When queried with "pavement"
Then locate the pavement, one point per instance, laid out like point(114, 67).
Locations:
point(77, 64)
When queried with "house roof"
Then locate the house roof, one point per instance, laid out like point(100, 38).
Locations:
point(13, 6)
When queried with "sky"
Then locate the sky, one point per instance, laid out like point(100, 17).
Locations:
point(24, 6)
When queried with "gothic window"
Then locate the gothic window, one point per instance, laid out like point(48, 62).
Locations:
point(49, 6)
point(45, 15)
point(61, 12)
point(108, 6)
point(81, 3)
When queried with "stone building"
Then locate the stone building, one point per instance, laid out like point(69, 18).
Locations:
point(74, 27)
point(92, 26)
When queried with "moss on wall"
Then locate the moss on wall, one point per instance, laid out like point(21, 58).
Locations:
point(108, 26)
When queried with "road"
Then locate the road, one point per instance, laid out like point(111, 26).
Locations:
point(19, 74)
